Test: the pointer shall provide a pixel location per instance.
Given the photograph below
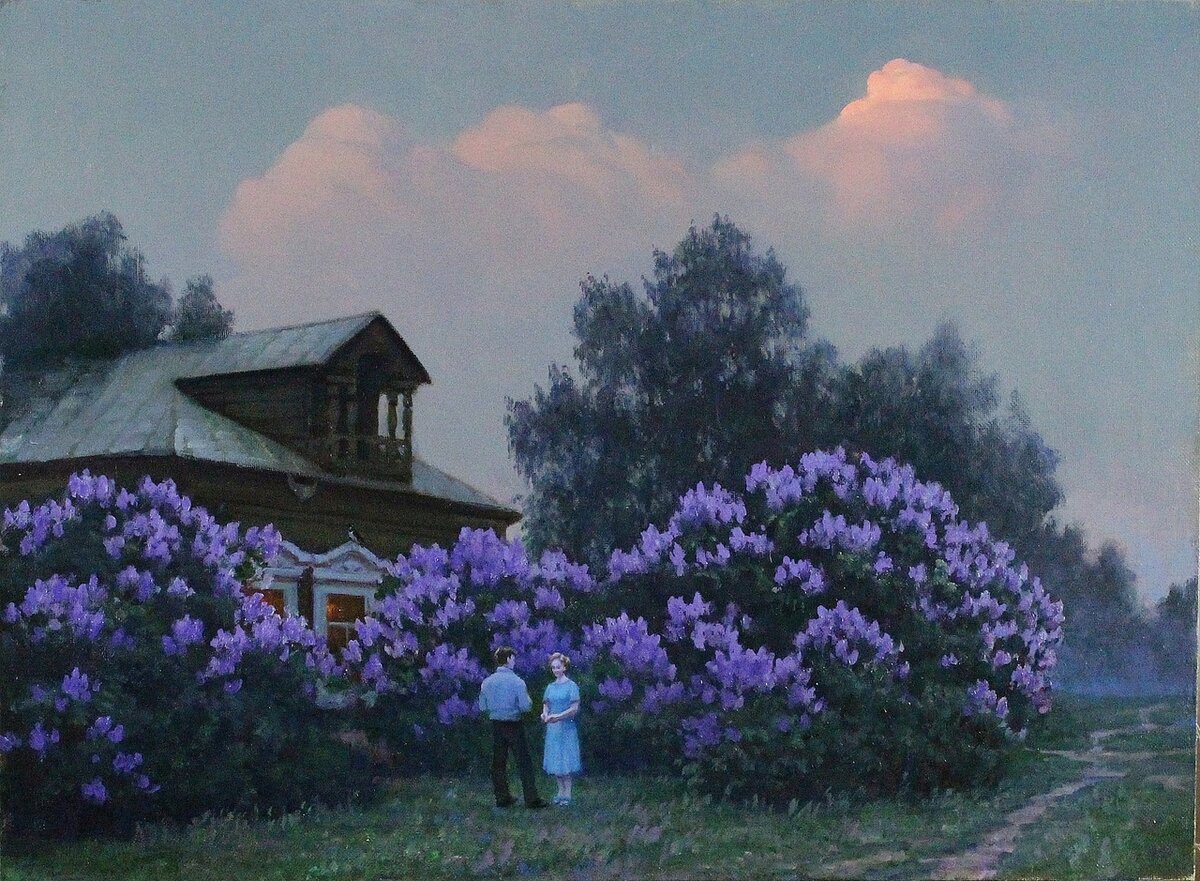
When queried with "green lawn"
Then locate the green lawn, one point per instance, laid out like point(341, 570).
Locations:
point(620, 827)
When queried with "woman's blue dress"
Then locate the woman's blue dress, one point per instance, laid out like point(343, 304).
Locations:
point(562, 738)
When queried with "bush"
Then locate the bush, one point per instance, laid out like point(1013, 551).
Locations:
point(843, 628)
point(430, 640)
point(142, 679)
point(837, 626)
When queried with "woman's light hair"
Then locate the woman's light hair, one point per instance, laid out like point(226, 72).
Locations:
point(559, 656)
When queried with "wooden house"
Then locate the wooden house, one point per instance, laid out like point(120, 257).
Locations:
point(309, 427)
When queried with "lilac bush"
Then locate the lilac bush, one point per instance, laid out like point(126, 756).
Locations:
point(835, 623)
point(843, 624)
point(126, 635)
point(431, 635)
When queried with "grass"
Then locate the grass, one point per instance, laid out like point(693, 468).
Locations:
point(617, 828)
point(1137, 827)
point(622, 827)
point(1167, 738)
point(1075, 716)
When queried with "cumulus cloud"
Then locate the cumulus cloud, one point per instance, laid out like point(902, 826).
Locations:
point(921, 149)
point(468, 246)
point(568, 144)
point(510, 202)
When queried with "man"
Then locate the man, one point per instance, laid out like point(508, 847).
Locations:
point(505, 698)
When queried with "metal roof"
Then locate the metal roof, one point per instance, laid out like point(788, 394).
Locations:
point(132, 406)
point(299, 345)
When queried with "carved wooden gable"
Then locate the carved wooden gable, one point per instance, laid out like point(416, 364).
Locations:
point(332, 590)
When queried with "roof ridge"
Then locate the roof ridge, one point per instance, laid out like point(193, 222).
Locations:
point(371, 313)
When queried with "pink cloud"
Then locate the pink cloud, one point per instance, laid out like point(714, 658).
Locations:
point(520, 191)
point(334, 174)
point(920, 149)
point(524, 194)
point(568, 143)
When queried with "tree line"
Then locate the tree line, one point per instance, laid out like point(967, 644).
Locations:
point(83, 292)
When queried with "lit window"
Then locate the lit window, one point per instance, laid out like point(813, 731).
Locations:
point(341, 611)
point(275, 598)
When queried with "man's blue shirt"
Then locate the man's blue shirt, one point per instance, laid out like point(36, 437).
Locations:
point(504, 696)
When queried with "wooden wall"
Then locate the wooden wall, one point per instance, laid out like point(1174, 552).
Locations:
point(389, 521)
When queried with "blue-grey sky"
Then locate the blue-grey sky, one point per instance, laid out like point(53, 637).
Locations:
point(1028, 171)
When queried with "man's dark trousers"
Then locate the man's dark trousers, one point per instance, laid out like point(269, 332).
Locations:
point(506, 736)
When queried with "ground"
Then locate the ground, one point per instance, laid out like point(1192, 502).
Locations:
point(1111, 797)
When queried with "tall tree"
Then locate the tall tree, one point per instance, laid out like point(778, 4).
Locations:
point(939, 412)
point(80, 291)
point(704, 373)
point(83, 292)
point(1175, 636)
point(1105, 623)
point(199, 315)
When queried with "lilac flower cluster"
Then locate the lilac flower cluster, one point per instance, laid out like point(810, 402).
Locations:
point(849, 637)
point(446, 668)
point(735, 675)
point(38, 525)
point(810, 577)
point(53, 605)
point(701, 513)
point(631, 645)
point(700, 507)
point(982, 698)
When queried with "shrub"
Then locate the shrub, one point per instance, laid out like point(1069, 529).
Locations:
point(142, 679)
point(430, 640)
point(836, 626)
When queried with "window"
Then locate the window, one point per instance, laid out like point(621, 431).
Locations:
point(341, 611)
point(277, 597)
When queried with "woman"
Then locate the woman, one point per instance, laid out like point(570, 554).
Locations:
point(560, 705)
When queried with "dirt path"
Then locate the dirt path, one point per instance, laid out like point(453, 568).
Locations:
point(983, 860)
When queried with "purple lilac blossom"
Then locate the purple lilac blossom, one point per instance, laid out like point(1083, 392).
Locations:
point(95, 791)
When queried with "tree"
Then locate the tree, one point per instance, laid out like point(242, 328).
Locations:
point(1105, 626)
point(1175, 634)
point(199, 315)
point(707, 372)
point(80, 291)
point(940, 413)
point(712, 370)
point(83, 292)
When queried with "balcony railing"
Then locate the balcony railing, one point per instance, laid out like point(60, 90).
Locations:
point(374, 454)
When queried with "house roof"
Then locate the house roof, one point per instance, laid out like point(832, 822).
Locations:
point(131, 406)
point(280, 348)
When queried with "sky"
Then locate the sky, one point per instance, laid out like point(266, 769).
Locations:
point(1027, 171)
